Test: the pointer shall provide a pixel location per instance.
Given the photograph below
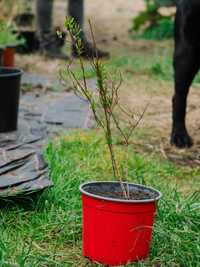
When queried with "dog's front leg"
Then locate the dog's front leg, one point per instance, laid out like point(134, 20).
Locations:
point(186, 65)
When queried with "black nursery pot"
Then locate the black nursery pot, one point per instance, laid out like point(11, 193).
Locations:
point(1, 57)
point(9, 98)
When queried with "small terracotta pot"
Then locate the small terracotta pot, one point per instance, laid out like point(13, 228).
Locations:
point(9, 57)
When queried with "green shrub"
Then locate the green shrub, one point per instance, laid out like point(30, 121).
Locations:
point(150, 24)
point(8, 37)
point(163, 30)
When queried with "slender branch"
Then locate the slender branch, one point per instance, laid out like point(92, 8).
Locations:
point(138, 121)
point(104, 104)
point(93, 40)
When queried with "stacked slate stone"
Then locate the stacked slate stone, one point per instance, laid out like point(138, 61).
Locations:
point(43, 114)
point(23, 170)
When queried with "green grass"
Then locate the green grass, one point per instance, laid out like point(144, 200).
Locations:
point(158, 66)
point(156, 63)
point(47, 231)
point(164, 30)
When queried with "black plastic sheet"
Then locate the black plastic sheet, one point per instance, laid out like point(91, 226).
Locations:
point(22, 168)
point(42, 115)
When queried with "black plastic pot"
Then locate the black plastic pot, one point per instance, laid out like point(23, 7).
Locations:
point(9, 98)
point(1, 57)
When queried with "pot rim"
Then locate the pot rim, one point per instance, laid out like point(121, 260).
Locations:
point(4, 47)
point(84, 192)
point(12, 74)
point(13, 46)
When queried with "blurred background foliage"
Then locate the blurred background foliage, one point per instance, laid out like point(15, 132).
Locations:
point(153, 23)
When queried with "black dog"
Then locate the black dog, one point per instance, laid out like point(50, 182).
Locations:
point(186, 65)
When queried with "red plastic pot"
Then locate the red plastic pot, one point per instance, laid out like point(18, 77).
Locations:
point(9, 57)
point(116, 231)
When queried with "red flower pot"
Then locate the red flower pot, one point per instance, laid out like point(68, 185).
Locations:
point(9, 57)
point(116, 231)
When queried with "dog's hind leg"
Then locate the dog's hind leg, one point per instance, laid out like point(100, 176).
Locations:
point(186, 65)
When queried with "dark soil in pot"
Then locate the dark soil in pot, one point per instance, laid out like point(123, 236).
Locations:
point(113, 190)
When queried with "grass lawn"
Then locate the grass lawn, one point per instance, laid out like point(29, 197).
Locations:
point(47, 231)
point(142, 57)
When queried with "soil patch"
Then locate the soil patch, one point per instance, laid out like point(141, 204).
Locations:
point(115, 191)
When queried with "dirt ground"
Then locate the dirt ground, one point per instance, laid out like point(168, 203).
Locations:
point(111, 20)
point(153, 133)
point(110, 26)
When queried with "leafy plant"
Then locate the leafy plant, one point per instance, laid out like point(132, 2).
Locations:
point(150, 24)
point(163, 30)
point(8, 37)
point(149, 17)
point(104, 102)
